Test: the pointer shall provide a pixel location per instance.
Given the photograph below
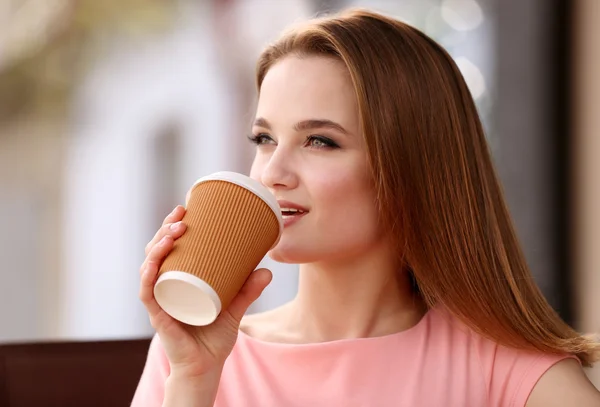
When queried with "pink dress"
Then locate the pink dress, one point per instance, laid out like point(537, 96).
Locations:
point(437, 363)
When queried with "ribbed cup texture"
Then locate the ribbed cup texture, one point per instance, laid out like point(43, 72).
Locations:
point(229, 231)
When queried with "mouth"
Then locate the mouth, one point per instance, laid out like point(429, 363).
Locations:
point(291, 211)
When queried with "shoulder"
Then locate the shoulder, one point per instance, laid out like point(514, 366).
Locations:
point(266, 326)
point(252, 324)
point(519, 377)
point(564, 384)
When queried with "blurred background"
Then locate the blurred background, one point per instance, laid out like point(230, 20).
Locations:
point(110, 110)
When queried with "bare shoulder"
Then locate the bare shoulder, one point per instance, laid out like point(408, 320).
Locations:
point(265, 326)
point(564, 384)
point(252, 323)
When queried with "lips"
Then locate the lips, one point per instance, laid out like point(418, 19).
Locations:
point(291, 212)
point(291, 208)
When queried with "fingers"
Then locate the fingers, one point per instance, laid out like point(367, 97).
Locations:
point(171, 226)
point(175, 215)
point(173, 230)
point(251, 290)
point(149, 273)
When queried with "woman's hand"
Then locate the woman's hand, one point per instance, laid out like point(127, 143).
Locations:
point(193, 352)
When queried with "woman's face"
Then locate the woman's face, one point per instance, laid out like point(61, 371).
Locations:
point(311, 155)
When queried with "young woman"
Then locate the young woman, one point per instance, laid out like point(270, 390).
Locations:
point(413, 289)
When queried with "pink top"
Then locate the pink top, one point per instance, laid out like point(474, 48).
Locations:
point(438, 362)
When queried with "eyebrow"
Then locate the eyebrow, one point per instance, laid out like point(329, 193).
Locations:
point(311, 124)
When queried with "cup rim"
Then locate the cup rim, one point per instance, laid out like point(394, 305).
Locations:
point(204, 292)
point(250, 184)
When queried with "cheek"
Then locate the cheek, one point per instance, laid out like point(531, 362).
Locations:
point(346, 199)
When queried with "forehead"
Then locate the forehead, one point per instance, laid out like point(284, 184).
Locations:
point(298, 88)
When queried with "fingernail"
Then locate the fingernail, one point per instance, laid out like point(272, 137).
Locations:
point(164, 240)
point(175, 225)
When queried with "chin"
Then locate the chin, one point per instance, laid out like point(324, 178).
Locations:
point(292, 254)
point(284, 256)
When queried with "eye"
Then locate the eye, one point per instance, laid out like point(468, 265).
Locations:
point(317, 143)
point(320, 142)
point(261, 139)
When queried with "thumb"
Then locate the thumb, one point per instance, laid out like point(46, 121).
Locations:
point(251, 290)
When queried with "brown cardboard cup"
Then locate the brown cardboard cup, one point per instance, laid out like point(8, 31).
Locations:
point(232, 222)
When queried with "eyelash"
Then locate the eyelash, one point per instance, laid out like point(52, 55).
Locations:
point(259, 139)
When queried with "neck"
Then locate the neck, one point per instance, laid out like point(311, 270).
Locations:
point(366, 296)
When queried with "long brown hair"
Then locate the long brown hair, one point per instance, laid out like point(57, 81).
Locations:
point(436, 184)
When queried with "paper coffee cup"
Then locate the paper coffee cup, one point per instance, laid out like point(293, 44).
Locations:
point(232, 222)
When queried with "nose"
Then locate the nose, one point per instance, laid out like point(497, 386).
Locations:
point(278, 172)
